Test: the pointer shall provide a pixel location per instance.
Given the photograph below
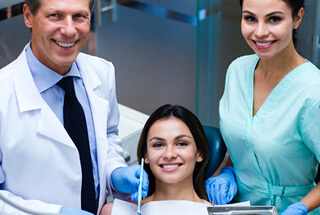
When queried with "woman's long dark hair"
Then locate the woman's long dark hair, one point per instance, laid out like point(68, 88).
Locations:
point(194, 125)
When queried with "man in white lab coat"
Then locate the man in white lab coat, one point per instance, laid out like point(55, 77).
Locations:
point(39, 163)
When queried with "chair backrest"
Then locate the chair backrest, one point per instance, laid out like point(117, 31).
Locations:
point(217, 150)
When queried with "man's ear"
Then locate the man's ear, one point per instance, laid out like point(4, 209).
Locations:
point(27, 16)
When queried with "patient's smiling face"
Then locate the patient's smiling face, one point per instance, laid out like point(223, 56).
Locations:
point(171, 151)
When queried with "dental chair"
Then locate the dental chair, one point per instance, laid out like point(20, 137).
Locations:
point(217, 150)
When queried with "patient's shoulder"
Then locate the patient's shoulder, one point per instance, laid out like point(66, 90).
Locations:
point(206, 202)
point(107, 209)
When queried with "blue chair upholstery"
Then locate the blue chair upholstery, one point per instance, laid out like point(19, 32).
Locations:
point(217, 150)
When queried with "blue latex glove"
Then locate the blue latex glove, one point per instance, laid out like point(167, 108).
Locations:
point(126, 180)
point(297, 208)
point(73, 211)
point(222, 188)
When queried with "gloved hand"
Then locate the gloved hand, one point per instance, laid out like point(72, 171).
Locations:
point(297, 208)
point(126, 180)
point(222, 188)
point(73, 211)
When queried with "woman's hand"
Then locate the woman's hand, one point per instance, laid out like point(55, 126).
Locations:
point(297, 208)
point(222, 188)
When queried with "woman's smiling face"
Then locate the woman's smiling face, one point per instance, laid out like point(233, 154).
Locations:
point(171, 151)
point(267, 26)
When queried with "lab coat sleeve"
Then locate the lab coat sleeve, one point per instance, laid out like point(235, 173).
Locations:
point(311, 129)
point(115, 151)
point(34, 205)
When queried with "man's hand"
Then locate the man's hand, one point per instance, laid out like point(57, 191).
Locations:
point(126, 180)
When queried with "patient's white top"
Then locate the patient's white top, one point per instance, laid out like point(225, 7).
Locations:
point(167, 207)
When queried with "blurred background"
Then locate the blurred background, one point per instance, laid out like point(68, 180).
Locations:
point(168, 51)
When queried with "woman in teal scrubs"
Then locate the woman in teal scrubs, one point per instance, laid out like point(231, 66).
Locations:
point(270, 114)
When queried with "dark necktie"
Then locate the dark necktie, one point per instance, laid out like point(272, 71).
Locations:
point(75, 124)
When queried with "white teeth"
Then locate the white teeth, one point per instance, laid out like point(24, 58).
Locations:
point(65, 45)
point(170, 166)
point(263, 44)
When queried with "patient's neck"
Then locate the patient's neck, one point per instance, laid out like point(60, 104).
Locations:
point(178, 191)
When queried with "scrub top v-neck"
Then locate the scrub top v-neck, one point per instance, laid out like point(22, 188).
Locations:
point(276, 151)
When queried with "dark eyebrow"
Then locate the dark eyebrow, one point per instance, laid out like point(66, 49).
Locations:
point(275, 13)
point(156, 138)
point(246, 11)
point(270, 14)
point(182, 136)
point(176, 138)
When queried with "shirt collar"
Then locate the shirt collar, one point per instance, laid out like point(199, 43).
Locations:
point(44, 77)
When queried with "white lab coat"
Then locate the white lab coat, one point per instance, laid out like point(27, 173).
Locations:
point(39, 163)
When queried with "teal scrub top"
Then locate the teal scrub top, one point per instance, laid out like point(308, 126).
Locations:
point(275, 152)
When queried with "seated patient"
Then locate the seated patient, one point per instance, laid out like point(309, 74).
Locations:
point(175, 151)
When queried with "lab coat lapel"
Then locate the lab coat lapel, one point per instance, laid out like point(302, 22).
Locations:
point(29, 99)
point(100, 109)
point(50, 126)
